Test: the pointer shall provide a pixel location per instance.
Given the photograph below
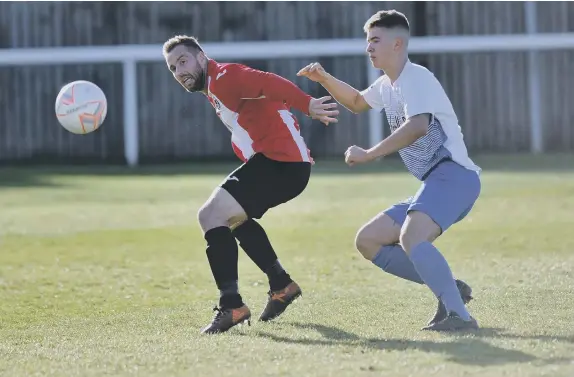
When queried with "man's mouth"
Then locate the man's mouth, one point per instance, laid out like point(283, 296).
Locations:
point(192, 82)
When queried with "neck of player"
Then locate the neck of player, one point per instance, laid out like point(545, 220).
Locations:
point(393, 71)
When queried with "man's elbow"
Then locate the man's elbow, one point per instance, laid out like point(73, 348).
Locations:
point(354, 109)
point(357, 107)
point(358, 104)
point(421, 129)
point(420, 125)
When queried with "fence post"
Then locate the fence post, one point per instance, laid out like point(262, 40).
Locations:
point(131, 140)
point(536, 136)
point(375, 117)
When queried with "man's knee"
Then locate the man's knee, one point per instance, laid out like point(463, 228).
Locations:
point(380, 231)
point(205, 213)
point(365, 245)
point(221, 209)
point(418, 227)
point(211, 216)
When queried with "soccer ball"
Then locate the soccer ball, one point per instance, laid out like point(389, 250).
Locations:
point(81, 107)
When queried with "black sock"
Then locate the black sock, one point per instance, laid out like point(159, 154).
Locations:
point(222, 255)
point(278, 278)
point(256, 244)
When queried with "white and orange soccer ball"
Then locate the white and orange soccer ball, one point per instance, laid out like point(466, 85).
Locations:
point(81, 107)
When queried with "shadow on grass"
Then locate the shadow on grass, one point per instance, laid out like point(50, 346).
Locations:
point(498, 333)
point(469, 349)
point(26, 175)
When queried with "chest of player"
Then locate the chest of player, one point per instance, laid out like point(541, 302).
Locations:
point(394, 106)
point(240, 114)
point(225, 114)
point(216, 103)
point(220, 96)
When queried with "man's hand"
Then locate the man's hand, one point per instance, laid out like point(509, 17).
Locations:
point(356, 155)
point(314, 72)
point(317, 108)
point(342, 92)
point(320, 110)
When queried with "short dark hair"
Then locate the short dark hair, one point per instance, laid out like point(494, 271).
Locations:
point(185, 40)
point(388, 19)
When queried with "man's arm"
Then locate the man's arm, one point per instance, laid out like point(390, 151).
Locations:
point(343, 93)
point(409, 132)
point(251, 83)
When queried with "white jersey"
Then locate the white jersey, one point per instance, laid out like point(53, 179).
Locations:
point(417, 91)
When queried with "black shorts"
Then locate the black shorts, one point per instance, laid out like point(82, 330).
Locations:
point(261, 183)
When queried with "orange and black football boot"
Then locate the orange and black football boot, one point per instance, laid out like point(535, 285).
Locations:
point(226, 318)
point(279, 300)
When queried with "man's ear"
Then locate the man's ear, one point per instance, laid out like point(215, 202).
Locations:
point(201, 58)
point(399, 43)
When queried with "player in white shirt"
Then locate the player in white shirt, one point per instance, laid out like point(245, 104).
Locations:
point(426, 134)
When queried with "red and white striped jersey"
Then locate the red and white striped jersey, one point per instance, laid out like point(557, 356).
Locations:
point(254, 106)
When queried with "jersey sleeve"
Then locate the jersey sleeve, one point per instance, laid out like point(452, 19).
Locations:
point(372, 95)
point(251, 83)
point(419, 95)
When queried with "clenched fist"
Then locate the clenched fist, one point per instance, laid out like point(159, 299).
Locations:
point(356, 155)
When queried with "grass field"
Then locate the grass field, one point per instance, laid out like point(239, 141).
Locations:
point(103, 272)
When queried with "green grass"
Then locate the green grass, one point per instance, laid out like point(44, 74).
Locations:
point(103, 272)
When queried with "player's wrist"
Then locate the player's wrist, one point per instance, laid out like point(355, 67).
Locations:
point(308, 102)
point(326, 79)
point(373, 153)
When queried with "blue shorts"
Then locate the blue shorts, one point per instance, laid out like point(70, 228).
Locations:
point(447, 195)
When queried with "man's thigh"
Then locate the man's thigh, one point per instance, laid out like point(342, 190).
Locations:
point(385, 227)
point(261, 184)
point(291, 179)
point(447, 195)
point(380, 230)
point(220, 209)
point(398, 212)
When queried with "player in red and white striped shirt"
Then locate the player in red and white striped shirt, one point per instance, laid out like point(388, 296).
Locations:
point(255, 107)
